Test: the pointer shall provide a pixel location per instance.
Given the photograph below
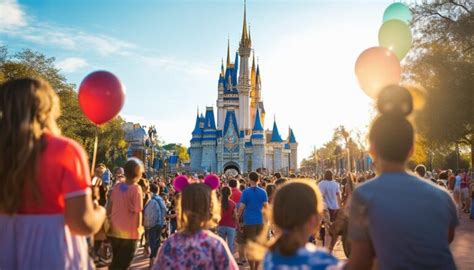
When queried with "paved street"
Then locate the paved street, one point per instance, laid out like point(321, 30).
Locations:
point(462, 248)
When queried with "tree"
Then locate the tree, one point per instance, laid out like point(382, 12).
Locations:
point(442, 62)
point(27, 63)
point(180, 150)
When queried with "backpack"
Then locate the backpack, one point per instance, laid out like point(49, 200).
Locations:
point(151, 213)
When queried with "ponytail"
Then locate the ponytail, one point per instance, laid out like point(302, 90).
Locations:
point(287, 243)
point(225, 194)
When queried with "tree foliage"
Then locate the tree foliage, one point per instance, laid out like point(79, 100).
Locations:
point(442, 62)
point(180, 150)
point(73, 123)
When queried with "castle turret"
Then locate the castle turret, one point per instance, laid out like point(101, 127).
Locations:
point(277, 145)
point(244, 77)
point(293, 151)
point(258, 143)
point(220, 97)
point(209, 142)
point(195, 151)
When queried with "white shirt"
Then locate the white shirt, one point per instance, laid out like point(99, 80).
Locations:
point(330, 191)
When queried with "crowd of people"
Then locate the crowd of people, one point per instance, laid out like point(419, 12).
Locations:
point(55, 215)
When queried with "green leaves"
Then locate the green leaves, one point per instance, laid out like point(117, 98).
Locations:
point(27, 63)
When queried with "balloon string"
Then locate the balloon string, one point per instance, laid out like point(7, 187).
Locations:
point(95, 150)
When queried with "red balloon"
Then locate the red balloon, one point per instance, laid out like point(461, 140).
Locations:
point(101, 96)
point(376, 68)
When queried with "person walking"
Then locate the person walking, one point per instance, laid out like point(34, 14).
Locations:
point(46, 206)
point(228, 222)
point(331, 192)
point(125, 214)
point(253, 199)
point(408, 232)
point(154, 220)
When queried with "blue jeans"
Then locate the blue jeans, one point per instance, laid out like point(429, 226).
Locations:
point(154, 239)
point(228, 234)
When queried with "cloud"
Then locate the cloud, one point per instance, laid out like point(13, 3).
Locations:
point(172, 64)
point(71, 64)
point(14, 23)
point(11, 15)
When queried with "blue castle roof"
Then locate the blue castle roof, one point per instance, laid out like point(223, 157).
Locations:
point(209, 122)
point(197, 129)
point(275, 134)
point(291, 137)
point(236, 64)
point(209, 132)
point(258, 123)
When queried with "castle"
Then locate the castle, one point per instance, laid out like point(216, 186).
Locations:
point(238, 141)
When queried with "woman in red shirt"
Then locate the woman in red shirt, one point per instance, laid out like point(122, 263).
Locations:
point(46, 207)
point(228, 222)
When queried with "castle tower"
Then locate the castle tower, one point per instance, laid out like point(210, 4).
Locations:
point(258, 143)
point(209, 142)
point(253, 83)
point(195, 151)
point(244, 87)
point(293, 151)
point(220, 97)
point(277, 144)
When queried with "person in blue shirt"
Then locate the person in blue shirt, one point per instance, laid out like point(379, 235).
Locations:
point(252, 202)
point(297, 209)
point(404, 222)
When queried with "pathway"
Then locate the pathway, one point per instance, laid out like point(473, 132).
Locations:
point(462, 248)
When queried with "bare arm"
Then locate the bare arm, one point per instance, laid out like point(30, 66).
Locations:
point(82, 216)
point(339, 200)
point(362, 255)
point(241, 209)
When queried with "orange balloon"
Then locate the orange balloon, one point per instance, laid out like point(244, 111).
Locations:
point(376, 68)
point(418, 94)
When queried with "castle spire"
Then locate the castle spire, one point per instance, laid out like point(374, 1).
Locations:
point(253, 63)
point(228, 52)
point(244, 41)
point(222, 67)
point(250, 38)
point(275, 134)
point(257, 126)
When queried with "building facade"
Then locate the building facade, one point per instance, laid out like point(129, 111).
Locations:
point(238, 140)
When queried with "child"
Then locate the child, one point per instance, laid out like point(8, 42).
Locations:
point(228, 222)
point(125, 212)
point(46, 207)
point(193, 246)
point(297, 208)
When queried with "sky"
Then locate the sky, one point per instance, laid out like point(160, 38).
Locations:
point(168, 55)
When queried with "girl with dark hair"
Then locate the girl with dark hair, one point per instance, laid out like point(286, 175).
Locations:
point(228, 222)
point(408, 232)
point(194, 246)
point(46, 205)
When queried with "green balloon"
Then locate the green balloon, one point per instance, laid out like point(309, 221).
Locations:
point(395, 35)
point(397, 11)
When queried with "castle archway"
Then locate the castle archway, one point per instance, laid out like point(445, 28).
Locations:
point(231, 169)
